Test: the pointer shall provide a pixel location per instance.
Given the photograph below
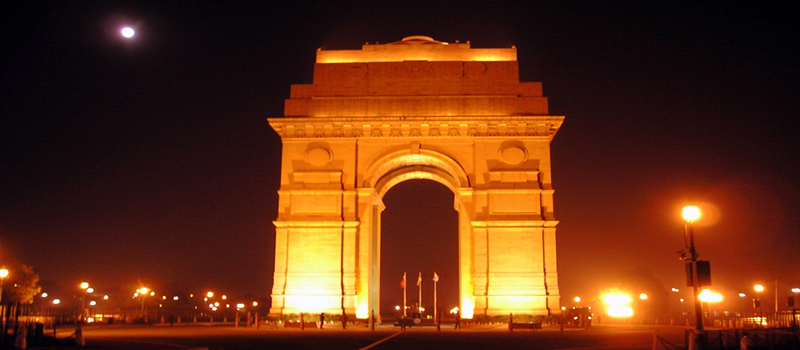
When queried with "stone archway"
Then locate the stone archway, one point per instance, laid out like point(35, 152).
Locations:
point(415, 109)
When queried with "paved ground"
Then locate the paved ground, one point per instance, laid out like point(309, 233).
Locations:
point(219, 337)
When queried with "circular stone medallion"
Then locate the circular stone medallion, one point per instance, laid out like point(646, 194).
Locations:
point(513, 155)
point(318, 156)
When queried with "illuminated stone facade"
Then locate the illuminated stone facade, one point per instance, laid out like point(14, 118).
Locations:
point(415, 109)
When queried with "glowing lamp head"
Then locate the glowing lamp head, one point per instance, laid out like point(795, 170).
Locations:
point(758, 288)
point(127, 32)
point(210, 294)
point(643, 296)
point(577, 299)
point(90, 290)
point(143, 290)
point(3, 273)
point(84, 285)
point(795, 290)
point(691, 213)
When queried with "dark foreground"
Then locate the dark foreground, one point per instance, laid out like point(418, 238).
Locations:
point(218, 337)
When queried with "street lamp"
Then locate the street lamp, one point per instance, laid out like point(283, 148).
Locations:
point(792, 301)
point(741, 296)
point(3, 275)
point(690, 214)
point(86, 290)
point(757, 303)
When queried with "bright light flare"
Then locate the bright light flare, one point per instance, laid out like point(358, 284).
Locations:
point(709, 297)
point(691, 213)
point(3, 273)
point(84, 285)
point(617, 299)
point(240, 306)
point(127, 32)
point(758, 288)
point(643, 296)
point(56, 301)
point(617, 305)
point(620, 311)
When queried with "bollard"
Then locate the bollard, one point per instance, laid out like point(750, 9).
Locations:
point(302, 322)
point(511, 322)
point(22, 342)
point(79, 341)
point(372, 321)
point(236, 320)
point(255, 320)
point(249, 322)
point(194, 319)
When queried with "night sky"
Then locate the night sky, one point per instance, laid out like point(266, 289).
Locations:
point(152, 160)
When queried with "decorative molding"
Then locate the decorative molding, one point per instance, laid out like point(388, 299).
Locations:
point(378, 127)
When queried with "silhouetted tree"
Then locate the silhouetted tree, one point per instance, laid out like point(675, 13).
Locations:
point(21, 285)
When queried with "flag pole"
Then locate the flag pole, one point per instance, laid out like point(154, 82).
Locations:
point(435, 297)
point(404, 294)
point(419, 287)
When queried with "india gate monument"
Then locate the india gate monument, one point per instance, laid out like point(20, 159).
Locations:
point(415, 109)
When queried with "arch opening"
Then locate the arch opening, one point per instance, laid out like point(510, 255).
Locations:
point(419, 234)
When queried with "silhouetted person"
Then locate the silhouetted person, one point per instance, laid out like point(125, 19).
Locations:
point(321, 320)
point(458, 320)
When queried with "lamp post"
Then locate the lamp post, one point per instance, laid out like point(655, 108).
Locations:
point(3, 275)
point(742, 296)
point(759, 289)
point(793, 300)
point(85, 287)
point(690, 214)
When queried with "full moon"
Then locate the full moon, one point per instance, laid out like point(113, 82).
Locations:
point(127, 32)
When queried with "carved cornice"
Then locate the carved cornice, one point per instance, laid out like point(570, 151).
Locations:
point(378, 127)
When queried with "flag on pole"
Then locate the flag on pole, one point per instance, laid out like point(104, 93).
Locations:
point(403, 282)
point(435, 277)
point(419, 279)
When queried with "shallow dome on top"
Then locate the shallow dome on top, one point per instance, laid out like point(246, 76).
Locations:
point(419, 39)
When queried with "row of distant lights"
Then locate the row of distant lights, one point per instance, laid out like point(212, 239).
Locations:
point(143, 292)
point(58, 301)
